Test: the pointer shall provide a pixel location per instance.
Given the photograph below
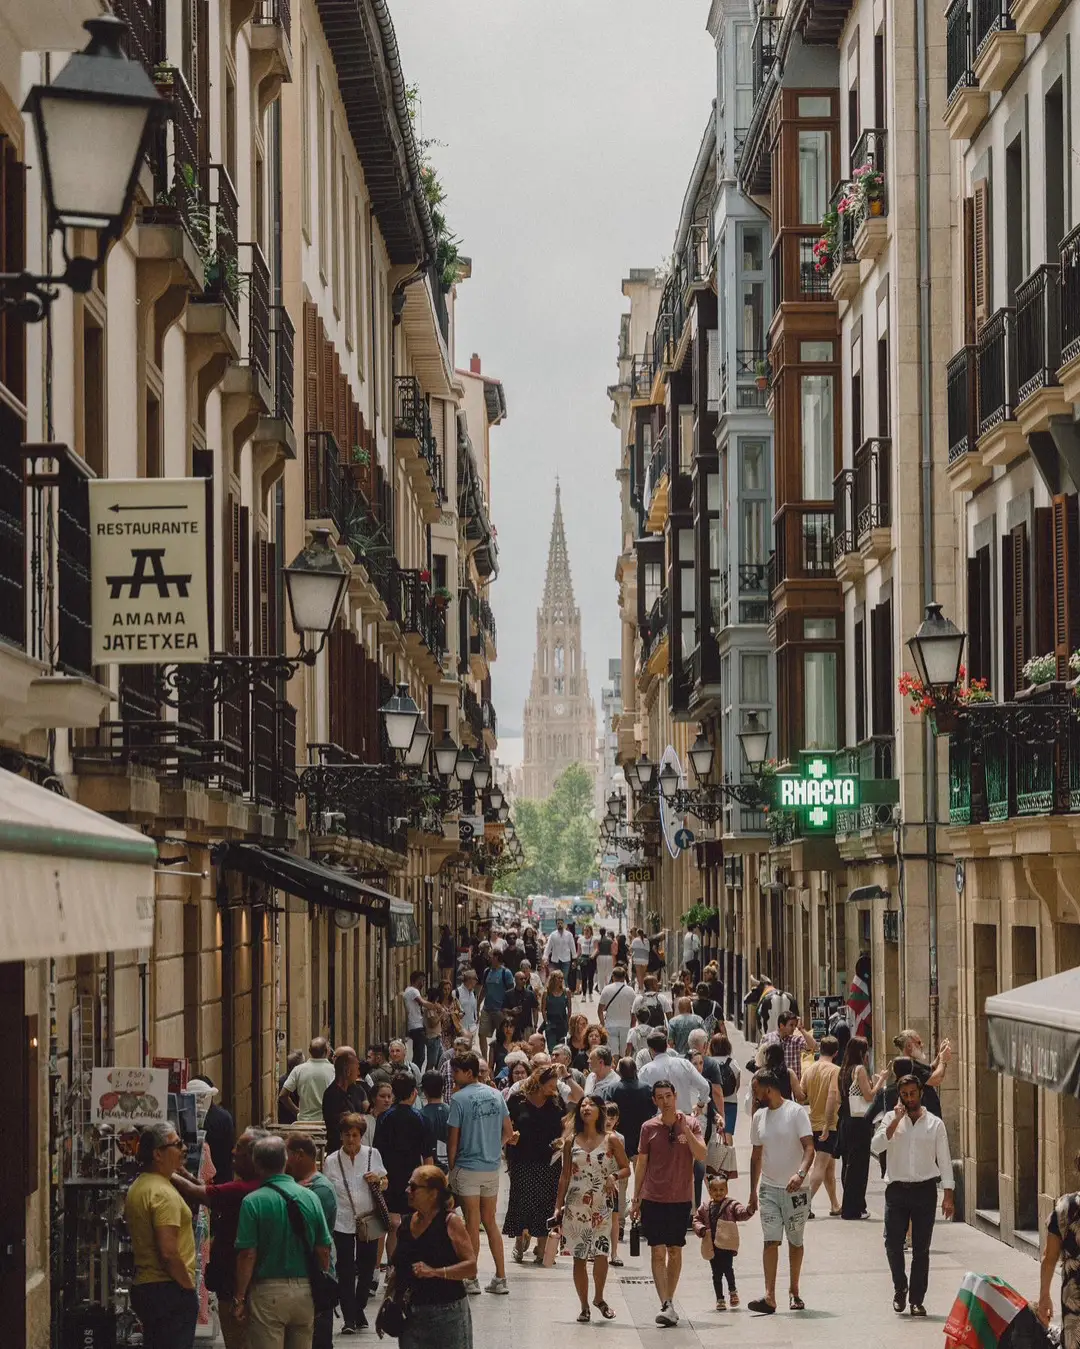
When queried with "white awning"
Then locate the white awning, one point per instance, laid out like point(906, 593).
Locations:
point(1033, 1032)
point(72, 881)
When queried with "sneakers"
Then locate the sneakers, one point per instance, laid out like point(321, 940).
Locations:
point(721, 1305)
point(667, 1315)
point(472, 1287)
point(917, 1309)
point(497, 1286)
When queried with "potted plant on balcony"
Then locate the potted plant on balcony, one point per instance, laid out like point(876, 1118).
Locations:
point(761, 374)
point(945, 714)
point(868, 190)
point(1043, 684)
point(825, 247)
point(361, 456)
point(441, 597)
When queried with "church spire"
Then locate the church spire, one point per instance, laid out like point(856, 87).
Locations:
point(558, 604)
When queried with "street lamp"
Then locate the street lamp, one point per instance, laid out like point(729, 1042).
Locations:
point(446, 755)
point(401, 716)
point(417, 751)
point(701, 757)
point(91, 125)
point(642, 774)
point(481, 775)
point(315, 583)
point(495, 797)
point(937, 649)
point(669, 784)
point(466, 765)
point(503, 813)
point(754, 739)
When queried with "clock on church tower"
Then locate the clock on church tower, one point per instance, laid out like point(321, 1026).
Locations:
point(559, 719)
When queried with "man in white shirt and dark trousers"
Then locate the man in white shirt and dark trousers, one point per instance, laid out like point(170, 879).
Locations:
point(561, 949)
point(916, 1149)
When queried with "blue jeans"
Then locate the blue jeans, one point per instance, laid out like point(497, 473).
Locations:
point(731, 1114)
point(168, 1314)
point(563, 965)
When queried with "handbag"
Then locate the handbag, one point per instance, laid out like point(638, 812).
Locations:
point(858, 1105)
point(324, 1287)
point(707, 1251)
point(726, 1237)
point(394, 1312)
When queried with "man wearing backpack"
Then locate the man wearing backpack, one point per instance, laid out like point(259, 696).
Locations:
point(652, 1007)
point(615, 1010)
point(723, 1072)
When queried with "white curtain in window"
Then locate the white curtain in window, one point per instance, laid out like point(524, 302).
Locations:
point(813, 176)
point(817, 437)
point(819, 700)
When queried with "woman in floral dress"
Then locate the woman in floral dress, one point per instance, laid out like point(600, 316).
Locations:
point(593, 1163)
point(1063, 1247)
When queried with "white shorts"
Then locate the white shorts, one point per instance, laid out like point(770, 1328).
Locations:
point(474, 1184)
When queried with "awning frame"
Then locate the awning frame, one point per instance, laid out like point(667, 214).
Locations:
point(309, 880)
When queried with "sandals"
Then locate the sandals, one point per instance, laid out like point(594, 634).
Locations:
point(760, 1307)
point(795, 1303)
point(584, 1316)
point(733, 1298)
point(604, 1310)
point(616, 1260)
point(517, 1255)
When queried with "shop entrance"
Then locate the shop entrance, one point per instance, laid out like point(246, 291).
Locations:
point(17, 1127)
point(987, 1161)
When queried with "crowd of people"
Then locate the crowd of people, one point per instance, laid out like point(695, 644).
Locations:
point(582, 1120)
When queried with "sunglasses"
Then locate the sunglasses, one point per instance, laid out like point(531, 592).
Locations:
point(671, 1133)
point(413, 1185)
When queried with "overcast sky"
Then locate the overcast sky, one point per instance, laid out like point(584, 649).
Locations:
point(570, 129)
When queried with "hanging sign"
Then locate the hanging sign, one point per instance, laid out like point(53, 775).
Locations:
point(149, 583)
point(129, 1095)
point(470, 828)
point(817, 791)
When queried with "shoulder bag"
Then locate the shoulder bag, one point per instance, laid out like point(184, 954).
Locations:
point(858, 1105)
point(369, 1226)
point(324, 1287)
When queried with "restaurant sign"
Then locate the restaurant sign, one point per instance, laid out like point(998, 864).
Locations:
point(148, 568)
point(817, 791)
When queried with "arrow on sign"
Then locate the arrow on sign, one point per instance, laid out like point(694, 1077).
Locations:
point(174, 507)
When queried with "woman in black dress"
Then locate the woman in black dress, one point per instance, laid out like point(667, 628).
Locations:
point(855, 1128)
point(536, 1113)
point(433, 1259)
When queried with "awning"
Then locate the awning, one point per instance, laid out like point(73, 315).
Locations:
point(72, 881)
point(310, 881)
point(1034, 1032)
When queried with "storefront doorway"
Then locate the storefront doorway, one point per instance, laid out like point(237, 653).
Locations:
point(18, 1129)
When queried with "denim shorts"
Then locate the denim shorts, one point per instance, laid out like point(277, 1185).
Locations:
point(783, 1214)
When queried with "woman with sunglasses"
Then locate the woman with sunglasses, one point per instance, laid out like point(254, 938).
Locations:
point(593, 1163)
point(433, 1259)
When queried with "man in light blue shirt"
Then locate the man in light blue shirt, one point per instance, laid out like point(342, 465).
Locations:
point(477, 1130)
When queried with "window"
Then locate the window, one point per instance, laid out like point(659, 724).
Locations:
point(860, 682)
point(881, 665)
point(754, 678)
point(744, 64)
point(713, 361)
point(687, 625)
point(335, 223)
point(717, 563)
point(812, 352)
point(819, 629)
point(320, 133)
point(815, 105)
point(979, 617)
point(813, 175)
point(686, 439)
point(305, 145)
point(753, 251)
point(361, 271)
point(752, 334)
point(817, 437)
point(753, 489)
point(819, 700)
point(654, 583)
point(347, 257)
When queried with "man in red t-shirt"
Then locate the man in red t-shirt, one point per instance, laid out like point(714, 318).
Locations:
point(224, 1202)
point(669, 1146)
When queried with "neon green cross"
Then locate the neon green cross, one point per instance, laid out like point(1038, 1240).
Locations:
point(819, 816)
point(817, 768)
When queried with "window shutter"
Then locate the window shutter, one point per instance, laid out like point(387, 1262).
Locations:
point(1043, 579)
point(976, 655)
point(264, 635)
point(1066, 606)
point(1014, 626)
point(860, 679)
point(12, 259)
point(981, 252)
point(244, 590)
point(312, 358)
point(202, 466)
point(232, 574)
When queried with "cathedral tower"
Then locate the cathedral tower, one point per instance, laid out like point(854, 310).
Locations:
point(560, 720)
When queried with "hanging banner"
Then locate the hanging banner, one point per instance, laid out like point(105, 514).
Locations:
point(149, 581)
point(129, 1095)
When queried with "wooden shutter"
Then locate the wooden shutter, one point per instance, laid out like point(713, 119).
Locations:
point(202, 466)
point(1014, 608)
point(1066, 602)
point(264, 613)
point(312, 359)
point(1043, 579)
point(245, 582)
point(980, 256)
point(977, 656)
point(860, 681)
point(232, 574)
point(881, 655)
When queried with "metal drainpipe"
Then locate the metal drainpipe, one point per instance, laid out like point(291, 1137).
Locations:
point(925, 430)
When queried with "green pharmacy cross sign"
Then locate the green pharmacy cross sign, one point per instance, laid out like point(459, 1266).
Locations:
point(817, 791)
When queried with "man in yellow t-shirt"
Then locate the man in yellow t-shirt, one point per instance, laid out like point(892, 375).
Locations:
point(823, 1102)
point(163, 1244)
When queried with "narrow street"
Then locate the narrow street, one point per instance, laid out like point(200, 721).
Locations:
point(845, 1285)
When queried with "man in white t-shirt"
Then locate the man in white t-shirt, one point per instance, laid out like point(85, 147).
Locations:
point(615, 1010)
point(415, 1004)
point(691, 952)
point(466, 996)
point(783, 1153)
point(561, 948)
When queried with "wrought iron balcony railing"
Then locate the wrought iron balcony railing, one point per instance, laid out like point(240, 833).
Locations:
point(179, 177)
point(1038, 330)
point(844, 514)
point(419, 614)
point(766, 35)
point(275, 12)
point(258, 296)
point(873, 485)
point(473, 713)
point(412, 421)
point(641, 376)
point(282, 346)
point(997, 370)
point(958, 55)
point(963, 405)
point(328, 490)
point(987, 18)
point(655, 628)
point(869, 153)
point(804, 543)
point(1070, 295)
point(658, 468)
point(144, 40)
point(221, 252)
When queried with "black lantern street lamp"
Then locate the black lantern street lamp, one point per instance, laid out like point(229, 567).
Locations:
point(754, 739)
point(315, 584)
point(669, 784)
point(416, 754)
point(466, 765)
point(446, 755)
point(481, 775)
point(92, 124)
point(495, 797)
point(401, 716)
point(701, 757)
point(503, 813)
point(937, 650)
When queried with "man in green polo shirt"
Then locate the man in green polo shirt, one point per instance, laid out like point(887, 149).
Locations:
point(272, 1290)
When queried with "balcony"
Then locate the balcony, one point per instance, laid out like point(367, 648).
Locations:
point(420, 456)
point(763, 51)
point(1000, 438)
point(1032, 16)
point(1038, 349)
point(843, 277)
point(966, 469)
point(657, 484)
point(873, 497)
point(867, 830)
point(423, 623)
point(967, 104)
point(641, 378)
point(271, 49)
point(144, 40)
point(697, 257)
point(753, 594)
point(869, 173)
point(329, 496)
point(485, 622)
point(847, 560)
point(748, 362)
point(998, 48)
point(174, 229)
point(1069, 288)
point(214, 318)
point(654, 638)
point(338, 816)
point(490, 724)
point(804, 544)
point(472, 714)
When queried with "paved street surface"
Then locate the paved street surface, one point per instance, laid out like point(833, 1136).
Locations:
point(845, 1285)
